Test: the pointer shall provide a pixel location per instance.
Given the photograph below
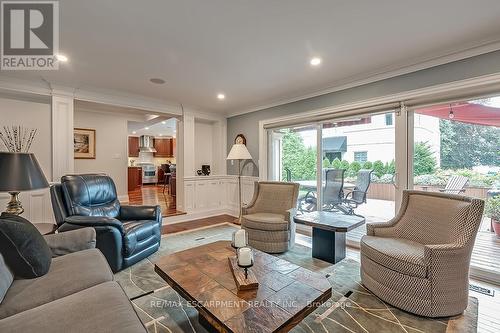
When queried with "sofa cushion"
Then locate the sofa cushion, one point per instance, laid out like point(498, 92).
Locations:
point(6, 278)
point(102, 308)
point(23, 247)
point(401, 255)
point(67, 275)
point(265, 221)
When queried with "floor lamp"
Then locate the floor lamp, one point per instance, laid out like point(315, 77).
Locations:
point(239, 152)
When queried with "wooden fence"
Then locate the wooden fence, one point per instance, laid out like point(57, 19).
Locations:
point(388, 192)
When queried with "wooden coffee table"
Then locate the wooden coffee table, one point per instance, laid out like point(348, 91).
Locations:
point(329, 229)
point(287, 293)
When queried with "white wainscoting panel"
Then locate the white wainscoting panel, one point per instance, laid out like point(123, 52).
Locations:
point(210, 195)
point(37, 205)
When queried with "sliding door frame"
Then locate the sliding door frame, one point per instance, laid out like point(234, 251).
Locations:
point(477, 86)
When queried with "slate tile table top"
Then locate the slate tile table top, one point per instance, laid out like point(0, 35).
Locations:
point(287, 293)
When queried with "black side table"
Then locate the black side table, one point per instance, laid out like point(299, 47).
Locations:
point(329, 229)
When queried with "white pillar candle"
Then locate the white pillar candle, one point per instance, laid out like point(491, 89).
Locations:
point(245, 256)
point(240, 238)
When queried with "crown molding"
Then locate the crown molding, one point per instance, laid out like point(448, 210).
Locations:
point(128, 101)
point(109, 97)
point(388, 72)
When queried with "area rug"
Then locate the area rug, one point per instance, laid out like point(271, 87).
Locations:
point(352, 307)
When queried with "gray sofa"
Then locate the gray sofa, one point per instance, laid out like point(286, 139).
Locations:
point(78, 293)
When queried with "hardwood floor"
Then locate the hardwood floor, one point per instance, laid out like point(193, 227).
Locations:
point(488, 319)
point(194, 224)
point(153, 195)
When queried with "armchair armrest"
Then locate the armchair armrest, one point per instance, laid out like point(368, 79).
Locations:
point(128, 213)
point(382, 229)
point(437, 251)
point(71, 241)
point(94, 221)
point(448, 267)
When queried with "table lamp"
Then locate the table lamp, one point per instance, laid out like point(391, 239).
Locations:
point(19, 172)
point(239, 152)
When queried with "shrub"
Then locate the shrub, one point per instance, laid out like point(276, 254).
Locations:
point(326, 163)
point(378, 168)
point(336, 164)
point(354, 168)
point(344, 165)
point(368, 165)
point(424, 161)
point(386, 179)
point(390, 167)
point(492, 209)
point(431, 180)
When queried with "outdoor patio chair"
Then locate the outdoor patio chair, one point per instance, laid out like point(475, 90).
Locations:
point(332, 193)
point(357, 196)
point(455, 185)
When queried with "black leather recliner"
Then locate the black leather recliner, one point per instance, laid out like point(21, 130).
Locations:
point(125, 234)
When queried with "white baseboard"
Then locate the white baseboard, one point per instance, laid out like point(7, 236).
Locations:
point(197, 215)
point(123, 198)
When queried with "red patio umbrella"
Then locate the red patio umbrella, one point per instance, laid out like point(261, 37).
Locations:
point(465, 112)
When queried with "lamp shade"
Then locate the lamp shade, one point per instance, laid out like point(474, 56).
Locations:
point(20, 172)
point(239, 152)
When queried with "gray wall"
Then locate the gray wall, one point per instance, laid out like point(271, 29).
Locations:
point(247, 124)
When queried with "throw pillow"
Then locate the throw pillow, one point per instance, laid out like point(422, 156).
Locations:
point(6, 278)
point(23, 247)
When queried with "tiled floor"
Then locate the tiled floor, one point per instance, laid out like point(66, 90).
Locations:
point(154, 195)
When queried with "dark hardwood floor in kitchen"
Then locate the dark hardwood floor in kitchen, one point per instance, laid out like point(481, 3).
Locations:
point(153, 195)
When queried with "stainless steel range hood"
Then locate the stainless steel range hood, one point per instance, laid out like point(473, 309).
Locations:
point(146, 144)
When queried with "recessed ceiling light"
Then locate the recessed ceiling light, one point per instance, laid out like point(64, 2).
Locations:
point(146, 128)
point(156, 80)
point(221, 96)
point(163, 122)
point(160, 134)
point(134, 132)
point(61, 58)
point(315, 61)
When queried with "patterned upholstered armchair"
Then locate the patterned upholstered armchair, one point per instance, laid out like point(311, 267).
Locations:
point(419, 261)
point(268, 218)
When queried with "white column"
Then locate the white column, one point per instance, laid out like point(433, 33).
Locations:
point(62, 134)
point(189, 144)
point(180, 201)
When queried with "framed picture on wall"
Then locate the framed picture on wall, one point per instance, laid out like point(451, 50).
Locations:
point(84, 143)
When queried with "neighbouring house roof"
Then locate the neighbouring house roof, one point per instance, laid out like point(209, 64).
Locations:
point(335, 144)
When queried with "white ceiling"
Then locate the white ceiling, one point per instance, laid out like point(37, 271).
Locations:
point(256, 52)
point(156, 127)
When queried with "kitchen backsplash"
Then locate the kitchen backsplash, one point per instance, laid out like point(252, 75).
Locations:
point(148, 157)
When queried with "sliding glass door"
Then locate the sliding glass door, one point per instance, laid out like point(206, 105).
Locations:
point(347, 166)
point(359, 168)
point(456, 149)
point(293, 157)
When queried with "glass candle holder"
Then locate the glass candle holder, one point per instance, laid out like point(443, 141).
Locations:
point(245, 259)
point(240, 239)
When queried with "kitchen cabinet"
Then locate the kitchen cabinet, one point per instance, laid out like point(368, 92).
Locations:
point(134, 178)
point(163, 147)
point(133, 146)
